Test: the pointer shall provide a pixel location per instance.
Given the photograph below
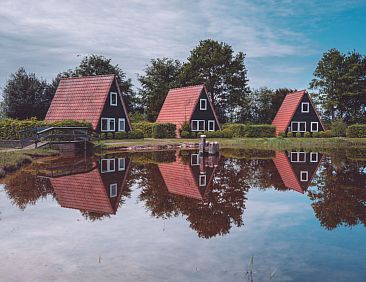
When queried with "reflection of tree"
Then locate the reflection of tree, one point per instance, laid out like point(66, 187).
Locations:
point(94, 216)
point(340, 197)
point(25, 188)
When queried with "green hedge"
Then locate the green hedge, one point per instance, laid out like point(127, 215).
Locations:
point(356, 131)
point(135, 134)
point(225, 133)
point(163, 130)
point(145, 126)
point(9, 128)
point(251, 131)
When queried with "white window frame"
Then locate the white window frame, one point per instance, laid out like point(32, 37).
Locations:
point(121, 162)
point(297, 126)
point(113, 190)
point(314, 160)
point(195, 159)
point(297, 159)
point(109, 166)
point(205, 103)
point(202, 180)
point(311, 126)
point(198, 121)
point(304, 172)
point(119, 124)
point(212, 122)
point(111, 94)
point(110, 121)
point(302, 107)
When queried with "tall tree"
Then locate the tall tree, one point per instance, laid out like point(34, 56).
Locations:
point(99, 65)
point(225, 76)
point(26, 96)
point(341, 82)
point(160, 76)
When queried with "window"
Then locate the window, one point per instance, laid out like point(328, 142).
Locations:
point(298, 157)
point(195, 159)
point(121, 164)
point(298, 126)
point(113, 190)
point(314, 126)
point(203, 104)
point(314, 157)
point(107, 124)
point(304, 175)
point(107, 165)
point(198, 125)
point(202, 180)
point(121, 124)
point(211, 125)
point(305, 107)
point(113, 98)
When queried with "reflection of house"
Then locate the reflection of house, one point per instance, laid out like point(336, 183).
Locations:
point(192, 179)
point(297, 169)
point(98, 190)
point(297, 114)
point(190, 104)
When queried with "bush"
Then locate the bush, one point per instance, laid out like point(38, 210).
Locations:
point(338, 128)
point(185, 134)
point(226, 133)
point(163, 130)
point(119, 135)
point(356, 131)
point(135, 134)
point(145, 126)
point(298, 134)
point(289, 135)
point(307, 134)
point(251, 131)
point(316, 134)
point(281, 134)
point(237, 129)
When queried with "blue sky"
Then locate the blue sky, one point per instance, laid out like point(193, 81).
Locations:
point(283, 40)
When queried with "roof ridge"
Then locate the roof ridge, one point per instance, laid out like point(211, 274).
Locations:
point(88, 76)
point(190, 86)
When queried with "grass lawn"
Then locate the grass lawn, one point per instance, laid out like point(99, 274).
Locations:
point(251, 143)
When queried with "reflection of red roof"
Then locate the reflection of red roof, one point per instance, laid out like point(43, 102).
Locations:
point(180, 104)
point(286, 172)
point(287, 110)
point(84, 191)
point(80, 98)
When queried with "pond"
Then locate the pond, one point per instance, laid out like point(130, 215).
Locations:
point(244, 215)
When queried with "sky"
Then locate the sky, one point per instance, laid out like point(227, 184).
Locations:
point(283, 40)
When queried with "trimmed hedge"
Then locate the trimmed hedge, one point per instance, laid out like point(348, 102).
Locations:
point(135, 134)
point(9, 128)
point(163, 130)
point(251, 131)
point(225, 133)
point(356, 131)
point(145, 126)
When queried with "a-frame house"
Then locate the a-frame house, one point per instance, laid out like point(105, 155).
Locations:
point(297, 168)
point(297, 114)
point(96, 99)
point(190, 104)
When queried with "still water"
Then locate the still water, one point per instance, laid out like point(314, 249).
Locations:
point(175, 216)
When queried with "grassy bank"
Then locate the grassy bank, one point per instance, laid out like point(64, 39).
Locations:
point(11, 161)
point(251, 143)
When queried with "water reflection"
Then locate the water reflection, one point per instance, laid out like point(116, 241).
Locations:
point(210, 192)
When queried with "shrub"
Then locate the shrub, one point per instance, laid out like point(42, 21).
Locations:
point(316, 134)
point(325, 134)
point(281, 134)
point(226, 133)
point(289, 134)
point(185, 134)
point(135, 134)
point(237, 129)
point(356, 131)
point(298, 134)
point(137, 117)
point(339, 128)
point(145, 126)
point(185, 126)
point(163, 130)
point(262, 130)
point(119, 135)
point(307, 134)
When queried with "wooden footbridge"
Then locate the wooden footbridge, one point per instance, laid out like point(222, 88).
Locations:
point(42, 136)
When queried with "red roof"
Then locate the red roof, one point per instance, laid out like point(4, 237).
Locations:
point(84, 191)
point(287, 110)
point(180, 103)
point(180, 179)
point(286, 172)
point(81, 98)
